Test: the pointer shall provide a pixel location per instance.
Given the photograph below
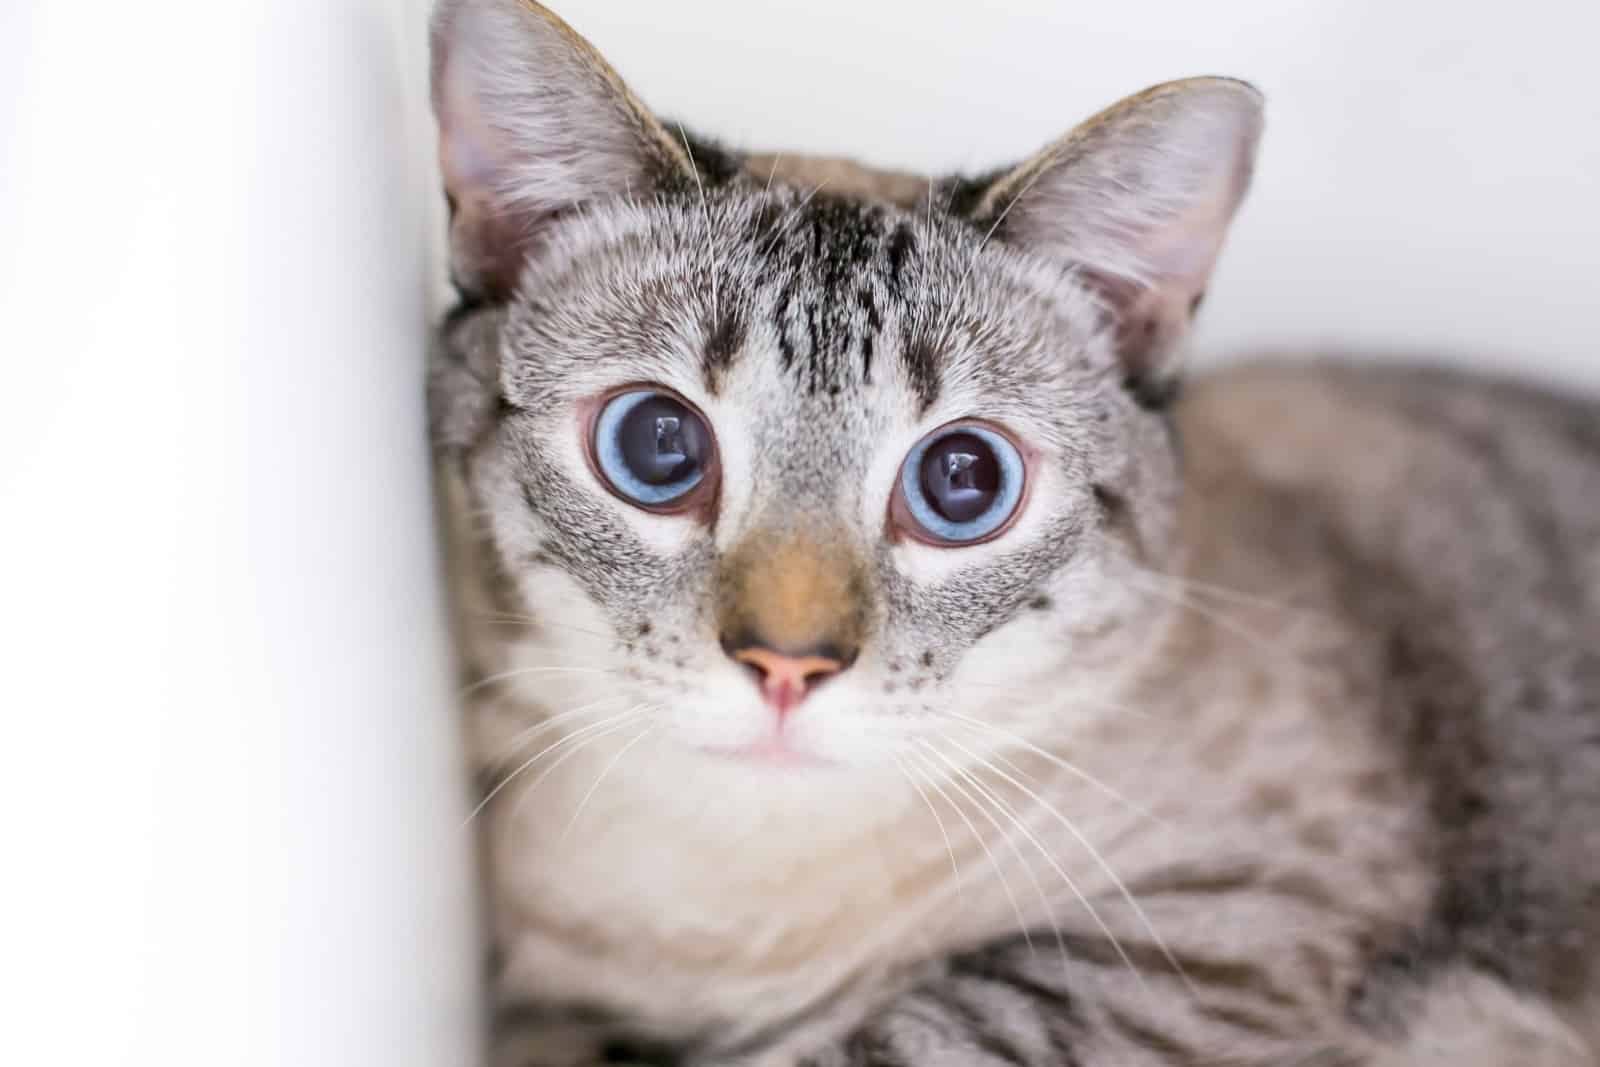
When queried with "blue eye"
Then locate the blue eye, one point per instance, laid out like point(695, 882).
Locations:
point(651, 448)
point(960, 485)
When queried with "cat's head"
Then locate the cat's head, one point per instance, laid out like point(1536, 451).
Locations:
point(783, 470)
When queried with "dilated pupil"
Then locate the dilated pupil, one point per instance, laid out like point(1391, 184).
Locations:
point(961, 476)
point(661, 441)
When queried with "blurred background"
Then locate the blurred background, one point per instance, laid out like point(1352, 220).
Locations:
point(230, 799)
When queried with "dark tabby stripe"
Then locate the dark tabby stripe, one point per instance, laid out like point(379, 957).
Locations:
point(1148, 1037)
point(995, 1007)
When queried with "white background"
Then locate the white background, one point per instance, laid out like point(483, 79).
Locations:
point(230, 802)
point(1429, 182)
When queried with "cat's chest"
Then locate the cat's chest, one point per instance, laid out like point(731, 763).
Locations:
point(686, 900)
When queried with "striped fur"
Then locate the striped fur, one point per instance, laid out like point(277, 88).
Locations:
point(1268, 735)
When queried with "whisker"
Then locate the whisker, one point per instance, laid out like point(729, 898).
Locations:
point(927, 275)
point(972, 263)
point(1022, 924)
point(1033, 690)
point(1223, 592)
point(789, 218)
point(1094, 915)
point(507, 617)
point(531, 760)
point(1278, 655)
point(543, 623)
point(1088, 846)
point(1015, 200)
point(548, 723)
point(1008, 812)
point(579, 659)
point(504, 675)
point(632, 715)
point(773, 173)
point(615, 759)
point(705, 208)
point(955, 868)
point(1077, 772)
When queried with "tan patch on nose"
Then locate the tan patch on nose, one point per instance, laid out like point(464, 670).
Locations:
point(794, 594)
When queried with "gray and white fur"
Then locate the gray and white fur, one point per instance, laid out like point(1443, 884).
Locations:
point(1267, 734)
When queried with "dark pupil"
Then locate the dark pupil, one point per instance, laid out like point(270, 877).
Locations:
point(661, 441)
point(960, 476)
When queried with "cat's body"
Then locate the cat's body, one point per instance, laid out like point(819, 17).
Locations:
point(1293, 683)
point(1329, 831)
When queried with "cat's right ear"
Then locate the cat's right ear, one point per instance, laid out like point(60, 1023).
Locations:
point(532, 122)
point(1139, 198)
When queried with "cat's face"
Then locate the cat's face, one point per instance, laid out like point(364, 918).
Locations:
point(796, 477)
point(807, 348)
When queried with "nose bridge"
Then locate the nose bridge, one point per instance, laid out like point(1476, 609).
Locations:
point(799, 592)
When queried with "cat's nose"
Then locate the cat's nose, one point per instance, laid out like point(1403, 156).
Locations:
point(787, 678)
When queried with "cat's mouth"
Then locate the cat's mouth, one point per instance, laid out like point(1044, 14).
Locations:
point(770, 751)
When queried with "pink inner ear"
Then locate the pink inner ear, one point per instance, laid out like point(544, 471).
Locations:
point(1154, 310)
point(485, 237)
point(1183, 250)
point(464, 133)
point(1181, 255)
point(1141, 198)
point(531, 122)
point(486, 254)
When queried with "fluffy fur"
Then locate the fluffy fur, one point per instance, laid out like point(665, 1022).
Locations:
point(1266, 735)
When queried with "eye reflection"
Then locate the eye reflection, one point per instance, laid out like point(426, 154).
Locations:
point(961, 484)
point(650, 447)
point(961, 477)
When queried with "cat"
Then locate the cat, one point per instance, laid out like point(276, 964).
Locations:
point(874, 657)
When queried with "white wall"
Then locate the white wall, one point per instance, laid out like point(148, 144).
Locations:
point(229, 800)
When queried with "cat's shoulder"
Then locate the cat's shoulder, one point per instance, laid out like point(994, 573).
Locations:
point(1369, 419)
point(1466, 486)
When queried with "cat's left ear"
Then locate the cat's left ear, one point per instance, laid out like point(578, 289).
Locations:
point(1139, 198)
point(532, 123)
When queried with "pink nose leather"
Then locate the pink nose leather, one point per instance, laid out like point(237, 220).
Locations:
point(785, 680)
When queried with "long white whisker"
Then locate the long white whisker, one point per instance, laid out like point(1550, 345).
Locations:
point(1221, 592)
point(1015, 200)
point(542, 623)
point(1276, 654)
point(1088, 906)
point(531, 760)
point(1077, 772)
point(1071, 885)
point(1105, 705)
point(972, 263)
point(524, 648)
point(615, 759)
point(927, 275)
point(633, 715)
point(547, 724)
point(1022, 924)
point(1088, 846)
point(1008, 812)
point(790, 216)
point(504, 675)
point(955, 868)
point(705, 209)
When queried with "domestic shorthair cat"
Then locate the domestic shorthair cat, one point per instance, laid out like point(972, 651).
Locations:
point(873, 659)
